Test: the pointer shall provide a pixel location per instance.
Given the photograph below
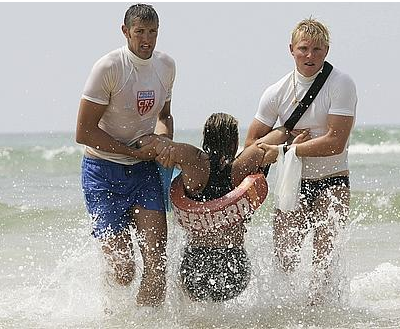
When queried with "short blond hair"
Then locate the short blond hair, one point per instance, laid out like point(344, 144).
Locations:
point(311, 29)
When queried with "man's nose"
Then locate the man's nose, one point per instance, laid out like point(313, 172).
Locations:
point(146, 36)
point(310, 54)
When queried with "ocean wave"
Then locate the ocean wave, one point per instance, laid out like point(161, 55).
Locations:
point(383, 148)
point(367, 149)
point(53, 153)
point(5, 152)
point(22, 217)
point(368, 207)
point(20, 156)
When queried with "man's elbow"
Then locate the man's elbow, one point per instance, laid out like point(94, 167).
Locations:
point(81, 136)
point(79, 139)
point(249, 141)
point(337, 149)
point(165, 117)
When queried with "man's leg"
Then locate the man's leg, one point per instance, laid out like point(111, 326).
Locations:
point(331, 208)
point(107, 205)
point(152, 235)
point(289, 231)
point(118, 252)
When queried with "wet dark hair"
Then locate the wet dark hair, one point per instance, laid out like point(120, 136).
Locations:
point(142, 11)
point(221, 136)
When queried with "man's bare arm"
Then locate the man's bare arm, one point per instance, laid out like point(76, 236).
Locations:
point(165, 122)
point(256, 131)
point(89, 133)
point(332, 143)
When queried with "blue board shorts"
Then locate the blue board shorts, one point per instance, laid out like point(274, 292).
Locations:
point(112, 189)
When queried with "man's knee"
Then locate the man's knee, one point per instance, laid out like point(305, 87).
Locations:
point(287, 261)
point(124, 273)
point(152, 289)
point(118, 252)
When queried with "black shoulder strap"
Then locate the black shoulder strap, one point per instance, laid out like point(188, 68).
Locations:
point(309, 97)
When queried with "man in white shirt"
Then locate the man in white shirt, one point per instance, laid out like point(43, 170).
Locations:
point(324, 199)
point(128, 95)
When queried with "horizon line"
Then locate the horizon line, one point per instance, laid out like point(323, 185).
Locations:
point(361, 125)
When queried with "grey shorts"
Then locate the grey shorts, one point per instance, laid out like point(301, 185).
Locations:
point(215, 274)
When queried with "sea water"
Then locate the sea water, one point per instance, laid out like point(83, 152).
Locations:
point(52, 272)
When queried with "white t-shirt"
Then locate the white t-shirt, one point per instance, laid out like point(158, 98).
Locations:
point(135, 91)
point(337, 96)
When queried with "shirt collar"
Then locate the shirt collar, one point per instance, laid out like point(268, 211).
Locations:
point(302, 79)
point(135, 59)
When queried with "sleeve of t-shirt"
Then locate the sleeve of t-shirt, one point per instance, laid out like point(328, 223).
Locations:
point(267, 108)
point(344, 97)
point(100, 83)
point(171, 82)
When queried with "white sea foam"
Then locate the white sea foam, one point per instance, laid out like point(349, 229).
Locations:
point(379, 290)
point(384, 148)
point(74, 294)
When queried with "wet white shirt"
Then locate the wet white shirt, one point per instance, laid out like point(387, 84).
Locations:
point(337, 96)
point(134, 90)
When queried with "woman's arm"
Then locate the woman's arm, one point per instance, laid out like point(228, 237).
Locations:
point(260, 133)
point(271, 151)
point(248, 162)
point(194, 164)
point(191, 160)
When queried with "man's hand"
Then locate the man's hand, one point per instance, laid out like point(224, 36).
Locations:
point(148, 150)
point(301, 136)
point(165, 155)
point(147, 146)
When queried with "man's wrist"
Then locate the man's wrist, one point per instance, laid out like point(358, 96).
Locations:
point(285, 148)
point(169, 136)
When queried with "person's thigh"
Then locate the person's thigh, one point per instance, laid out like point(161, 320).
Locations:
point(146, 190)
point(151, 228)
point(289, 231)
point(331, 209)
point(148, 212)
point(291, 227)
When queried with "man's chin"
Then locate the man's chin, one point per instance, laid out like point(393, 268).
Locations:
point(309, 71)
point(148, 52)
point(145, 54)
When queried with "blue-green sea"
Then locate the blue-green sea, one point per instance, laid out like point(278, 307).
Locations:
point(51, 269)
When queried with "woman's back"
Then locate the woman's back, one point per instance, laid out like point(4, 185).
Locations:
point(219, 184)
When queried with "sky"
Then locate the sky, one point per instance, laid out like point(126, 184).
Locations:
point(226, 54)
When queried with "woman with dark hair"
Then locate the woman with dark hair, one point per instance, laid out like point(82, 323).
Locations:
point(215, 264)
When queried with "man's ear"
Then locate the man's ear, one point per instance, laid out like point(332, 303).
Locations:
point(327, 50)
point(125, 31)
point(291, 48)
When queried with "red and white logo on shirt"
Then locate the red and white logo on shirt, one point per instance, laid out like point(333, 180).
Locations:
point(145, 101)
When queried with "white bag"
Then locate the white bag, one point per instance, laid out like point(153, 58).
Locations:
point(288, 179)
